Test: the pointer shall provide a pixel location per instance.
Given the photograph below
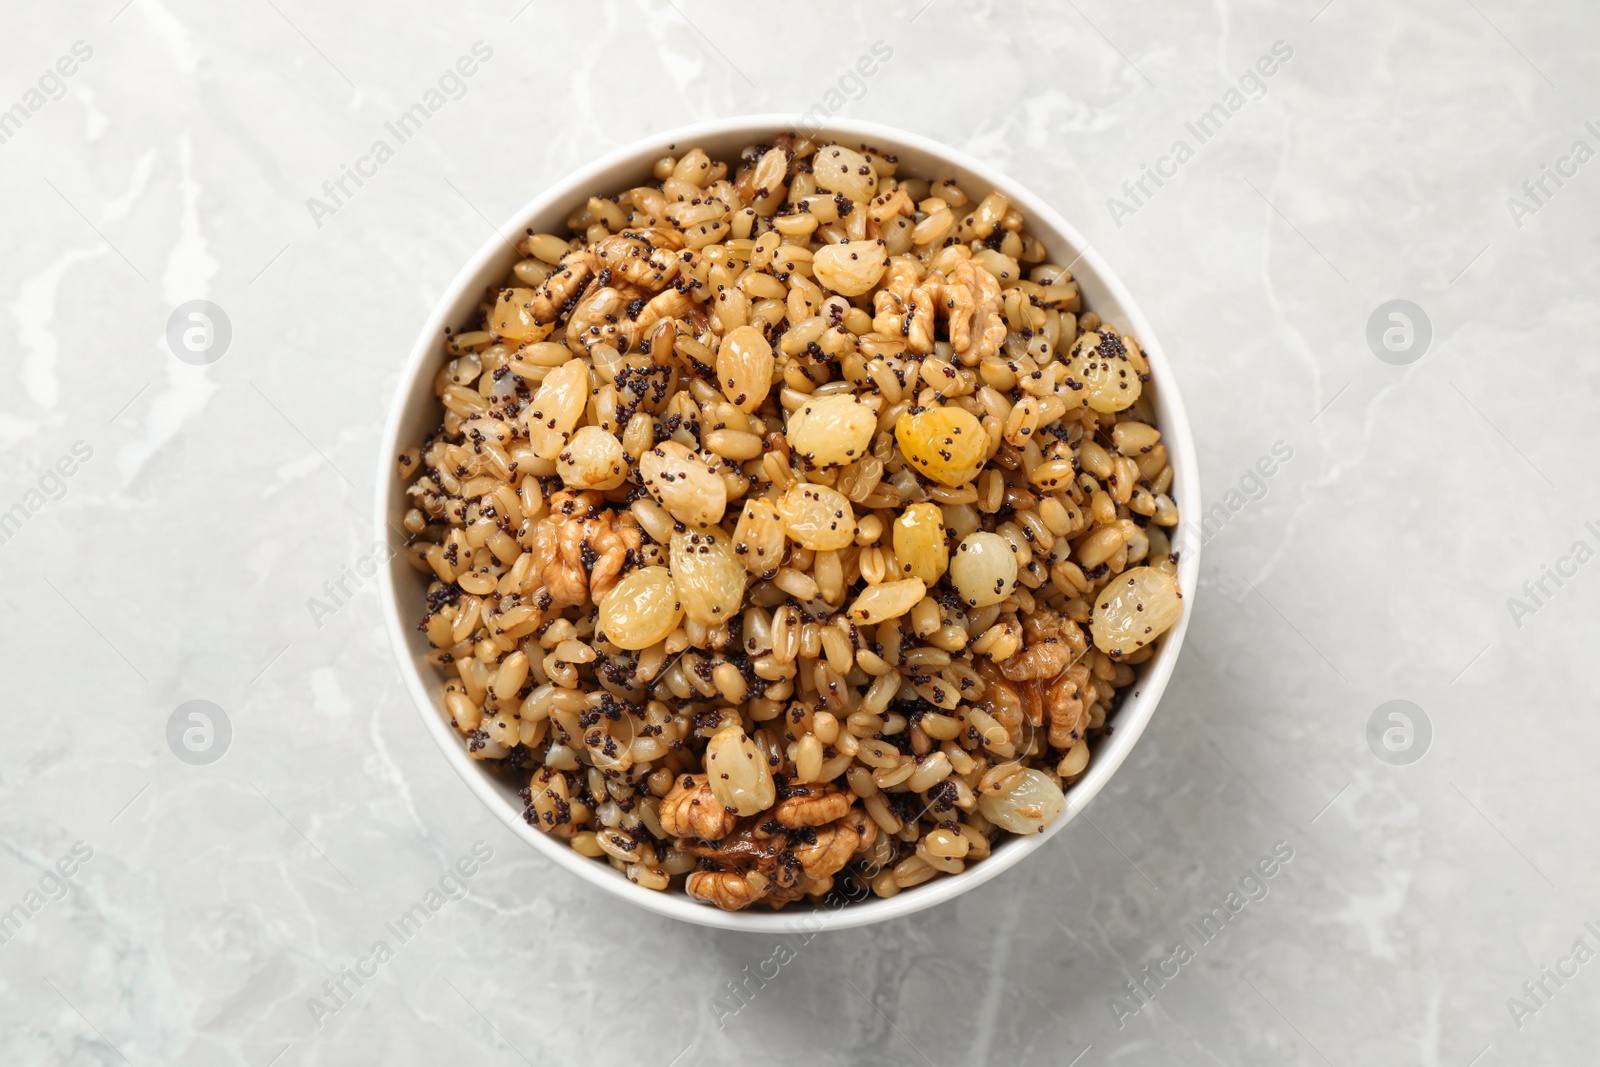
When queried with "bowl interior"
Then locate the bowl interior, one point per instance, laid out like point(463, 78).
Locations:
point(416, 413)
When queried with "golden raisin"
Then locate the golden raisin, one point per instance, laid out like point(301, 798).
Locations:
point(944, 443)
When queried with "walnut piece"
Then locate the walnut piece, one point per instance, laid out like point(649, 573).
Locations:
point(691, 810)
point(757, 865)
point(728, 890)
point(808, 808)
point(904, 307)
point(671, 303)
point(1049, 678)
point(601, 317)
point(749, 847)
point(1064, 703)
point(760, 858)
point(1051, 642)
point(575, 269)
point(580, 546)
point(972, 302)
point(1014, 711)
point(631, 257)
point(866, 830)
point(657, 237)
point(806, 886)
point(834, 846)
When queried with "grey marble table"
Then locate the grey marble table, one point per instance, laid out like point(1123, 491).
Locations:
point(1405, 515)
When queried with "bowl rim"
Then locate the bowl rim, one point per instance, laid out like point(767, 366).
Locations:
point(1132, 716)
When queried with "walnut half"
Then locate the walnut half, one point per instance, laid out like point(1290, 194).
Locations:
point(805, 808)
point(1052, 642)
point(904, 307)
point(691, 810)
point(834, 846)
point(582, 547)
point(728, 890)
point(972, 300)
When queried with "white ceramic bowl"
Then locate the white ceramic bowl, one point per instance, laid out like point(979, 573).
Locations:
point(416, 413)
